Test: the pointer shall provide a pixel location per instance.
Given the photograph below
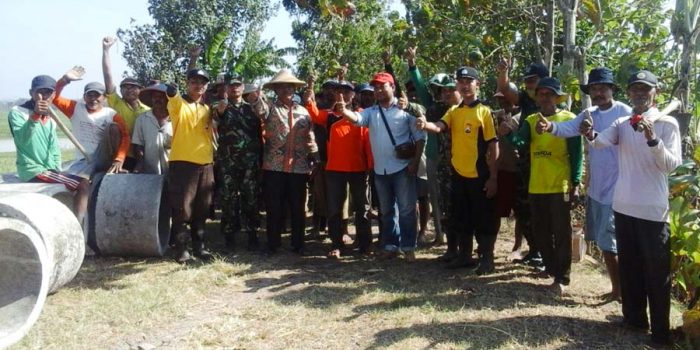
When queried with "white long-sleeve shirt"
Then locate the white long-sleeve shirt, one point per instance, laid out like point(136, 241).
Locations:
point(641, 190)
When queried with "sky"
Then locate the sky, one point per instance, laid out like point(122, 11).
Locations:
point(72, 35)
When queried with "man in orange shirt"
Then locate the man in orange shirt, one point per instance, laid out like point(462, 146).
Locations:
point(100, 130)
point(348, 161)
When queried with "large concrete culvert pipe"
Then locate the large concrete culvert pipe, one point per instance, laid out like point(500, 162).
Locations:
point(132, 215)
point(24, 279)
point(58, 228)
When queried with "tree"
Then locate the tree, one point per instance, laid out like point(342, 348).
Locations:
point(159, 51)
point(685, 27)
point(328, 35)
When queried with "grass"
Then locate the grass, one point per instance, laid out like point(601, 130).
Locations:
point(244, 301)
point(8, 160)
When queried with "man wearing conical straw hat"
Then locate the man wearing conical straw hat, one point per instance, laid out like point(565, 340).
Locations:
point(288, 157)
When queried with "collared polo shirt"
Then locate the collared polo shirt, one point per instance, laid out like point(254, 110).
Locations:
point(471, 128)
point(192, 131)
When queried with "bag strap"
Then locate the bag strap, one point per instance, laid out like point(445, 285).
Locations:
point(388, 130)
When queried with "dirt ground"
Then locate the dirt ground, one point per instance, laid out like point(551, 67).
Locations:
point(246, 301)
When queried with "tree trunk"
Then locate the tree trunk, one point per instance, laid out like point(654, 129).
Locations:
point(549, 57)
point(568, 10)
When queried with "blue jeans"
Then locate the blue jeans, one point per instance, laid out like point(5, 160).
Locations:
point(397, 191)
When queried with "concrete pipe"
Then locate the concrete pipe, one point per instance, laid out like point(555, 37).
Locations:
point(57, 191)
point(58, 228)
point(132, 215)
point(24, 279)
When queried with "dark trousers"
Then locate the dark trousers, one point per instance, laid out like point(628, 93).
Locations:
point(472, 214)
point(551, 225)
point(190, 187)
point(644, 255)
point(336, 192)
point(285, 191)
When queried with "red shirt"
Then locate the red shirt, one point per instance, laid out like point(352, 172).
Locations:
point(348, 145)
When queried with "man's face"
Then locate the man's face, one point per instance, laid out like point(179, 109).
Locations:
point(467, 87)
point(42, 95)
point(450, 96)
point(196, 86)
point(284, 92)
point(348, 95)
point(546, 99)
point(383, 92)
point(235, 90)
point(641, 95)
point(130, 92)
point(159, 103)
point(601, 94)
point(531, 83)
point(367, 98)
point(504, 103)
point(93, 100)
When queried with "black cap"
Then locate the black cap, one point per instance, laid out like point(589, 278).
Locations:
point(345, 85)
point(43, 82)
point(329, 84)
point(600, 75)
point(130, 81)
point(551, 84)
point(643, 76)
point(536, 70)
point(364, 87)
point(198, 73)
point(95, 86)
point(467, 72)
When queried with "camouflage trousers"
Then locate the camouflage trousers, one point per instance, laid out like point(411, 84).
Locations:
point(240, 196)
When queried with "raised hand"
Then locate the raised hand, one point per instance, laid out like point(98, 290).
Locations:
point(386, 56)
point(503, 65)
point(41, 106)
point(74, 74)
point(339, 106)
point(403, 100)
point(543, 125)
point(411, 56)
point(586, 126)
point(107, 42)
point(195, 50)
point(343, 71)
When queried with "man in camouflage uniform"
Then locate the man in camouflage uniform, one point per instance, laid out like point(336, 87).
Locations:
point(239, 157)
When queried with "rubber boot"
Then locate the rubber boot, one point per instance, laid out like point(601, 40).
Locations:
point(197, 232)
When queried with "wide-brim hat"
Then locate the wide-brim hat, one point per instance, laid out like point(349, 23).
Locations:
point(146, 95)
point(600, 75)
point(283, 77)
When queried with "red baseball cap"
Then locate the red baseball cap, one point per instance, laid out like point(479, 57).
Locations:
point(381, 78)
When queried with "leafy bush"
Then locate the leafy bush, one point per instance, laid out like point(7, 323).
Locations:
point(684, 185)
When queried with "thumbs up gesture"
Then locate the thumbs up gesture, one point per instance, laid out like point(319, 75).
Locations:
point(339, 104)
point(543, 125)
point(586, 126)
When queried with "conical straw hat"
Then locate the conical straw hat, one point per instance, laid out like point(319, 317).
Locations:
point(283, 77)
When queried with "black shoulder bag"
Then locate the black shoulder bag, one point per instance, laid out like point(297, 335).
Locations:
point(406, 150)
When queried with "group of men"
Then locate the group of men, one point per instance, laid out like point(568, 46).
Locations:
point(480, 165)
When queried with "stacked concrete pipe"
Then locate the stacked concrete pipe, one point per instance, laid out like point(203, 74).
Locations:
point(41, 249)
point(132, 215)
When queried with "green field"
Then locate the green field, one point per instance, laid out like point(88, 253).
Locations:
point(8, 159)
point(5, 126)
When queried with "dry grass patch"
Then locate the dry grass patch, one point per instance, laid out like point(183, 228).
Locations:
point(287, 302)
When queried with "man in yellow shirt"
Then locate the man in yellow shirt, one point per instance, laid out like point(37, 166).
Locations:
point(128, 104)
point(555, 173)
point(191, 173)
point(475, 177)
